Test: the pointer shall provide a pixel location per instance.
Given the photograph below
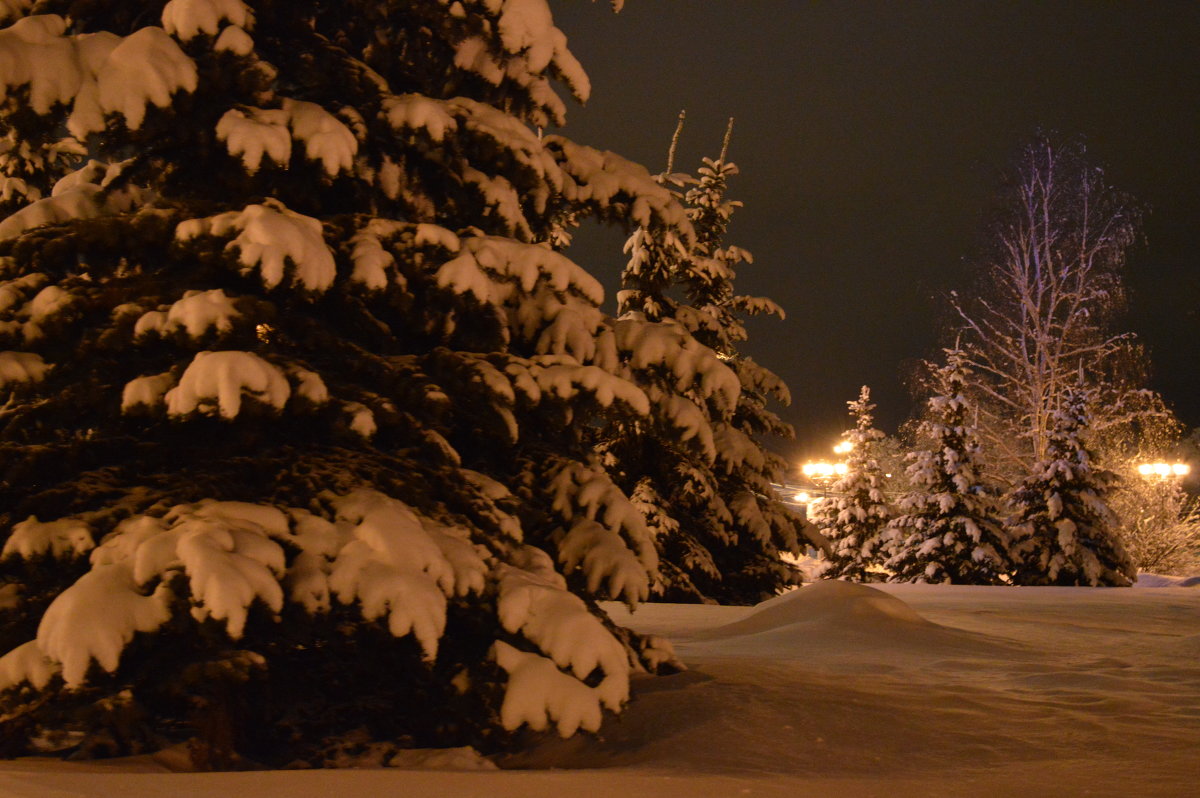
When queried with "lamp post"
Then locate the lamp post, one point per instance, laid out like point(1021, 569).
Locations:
point(822, 473)
point(1161, 473)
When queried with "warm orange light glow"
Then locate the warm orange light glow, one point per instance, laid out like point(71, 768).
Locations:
point(1162, 470)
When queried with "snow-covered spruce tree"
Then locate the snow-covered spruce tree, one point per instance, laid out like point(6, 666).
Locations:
point(946, 529)
point(696, 466)
point(1062, 529)
point(854, 519)
point(298, 432)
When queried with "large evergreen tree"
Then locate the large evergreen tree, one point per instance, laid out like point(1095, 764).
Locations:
point(301, 403)
point(698, 467)
point(854, 520)
point(1062, 528)
point(946, 529)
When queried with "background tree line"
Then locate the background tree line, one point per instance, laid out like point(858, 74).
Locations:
point(1023, 461)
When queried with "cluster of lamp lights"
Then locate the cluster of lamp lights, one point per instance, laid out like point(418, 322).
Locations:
point(1164, 470)
point(822, 472)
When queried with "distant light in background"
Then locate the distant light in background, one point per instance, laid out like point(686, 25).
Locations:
point(1164, 470)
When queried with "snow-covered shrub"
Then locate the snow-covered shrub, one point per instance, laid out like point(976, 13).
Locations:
point(302, 405)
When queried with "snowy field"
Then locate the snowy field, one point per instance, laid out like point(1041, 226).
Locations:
point(832, 690)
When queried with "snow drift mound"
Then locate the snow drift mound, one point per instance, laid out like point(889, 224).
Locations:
point(829, 603)
point(1160, 580)
point(835, 619)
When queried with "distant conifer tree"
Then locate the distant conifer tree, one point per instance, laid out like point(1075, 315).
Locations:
point(946, 529)
point(1062, 528)
point(698, 469)
point(854, 520)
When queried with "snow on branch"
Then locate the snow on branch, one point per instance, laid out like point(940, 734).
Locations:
point(45, 304)
point(535, 51)
point(95, 74)
point(146, 67)
point(187, 19)
point(605, 179)
point(379, 553)
point(470, 119)
point(372, 262)
point(400, 567)
point(691, 422)
point(234, 40)
point(35, 53)
point(82, 202)
point(395, 531)
point(81, 194)
point(572, 330)
point(493, 269)
point(27, 663)
point(95, 618)
point(195, 313)
point(230, 562)
point(669, 346)
point(17, 367)
point(538, 694)
point(250, 133)
point(735, 449)
point(604, 558)
point(269, 237)
point(15, 292)
point(527, 28)
point(214, 382)
point(535, 603)
point(578, 490)
point(563, 377)
point(62, 539)
point(410, 112)
point(147, 391)
point(326, 139)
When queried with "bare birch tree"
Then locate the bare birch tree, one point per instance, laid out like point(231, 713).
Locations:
point(1041, 318)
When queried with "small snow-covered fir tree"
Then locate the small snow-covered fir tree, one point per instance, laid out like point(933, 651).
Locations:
point(946, 529)
point(301, 402)
point(1063, 531)
point(854, 520)
point(707, 492)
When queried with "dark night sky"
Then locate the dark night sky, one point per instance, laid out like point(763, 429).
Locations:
point(869, 137)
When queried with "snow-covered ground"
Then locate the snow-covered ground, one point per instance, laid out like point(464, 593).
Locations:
point(834, 689)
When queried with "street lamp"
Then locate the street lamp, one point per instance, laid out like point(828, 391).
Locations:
point(823, 474)
point(1164, 471)
point(1165, 478)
